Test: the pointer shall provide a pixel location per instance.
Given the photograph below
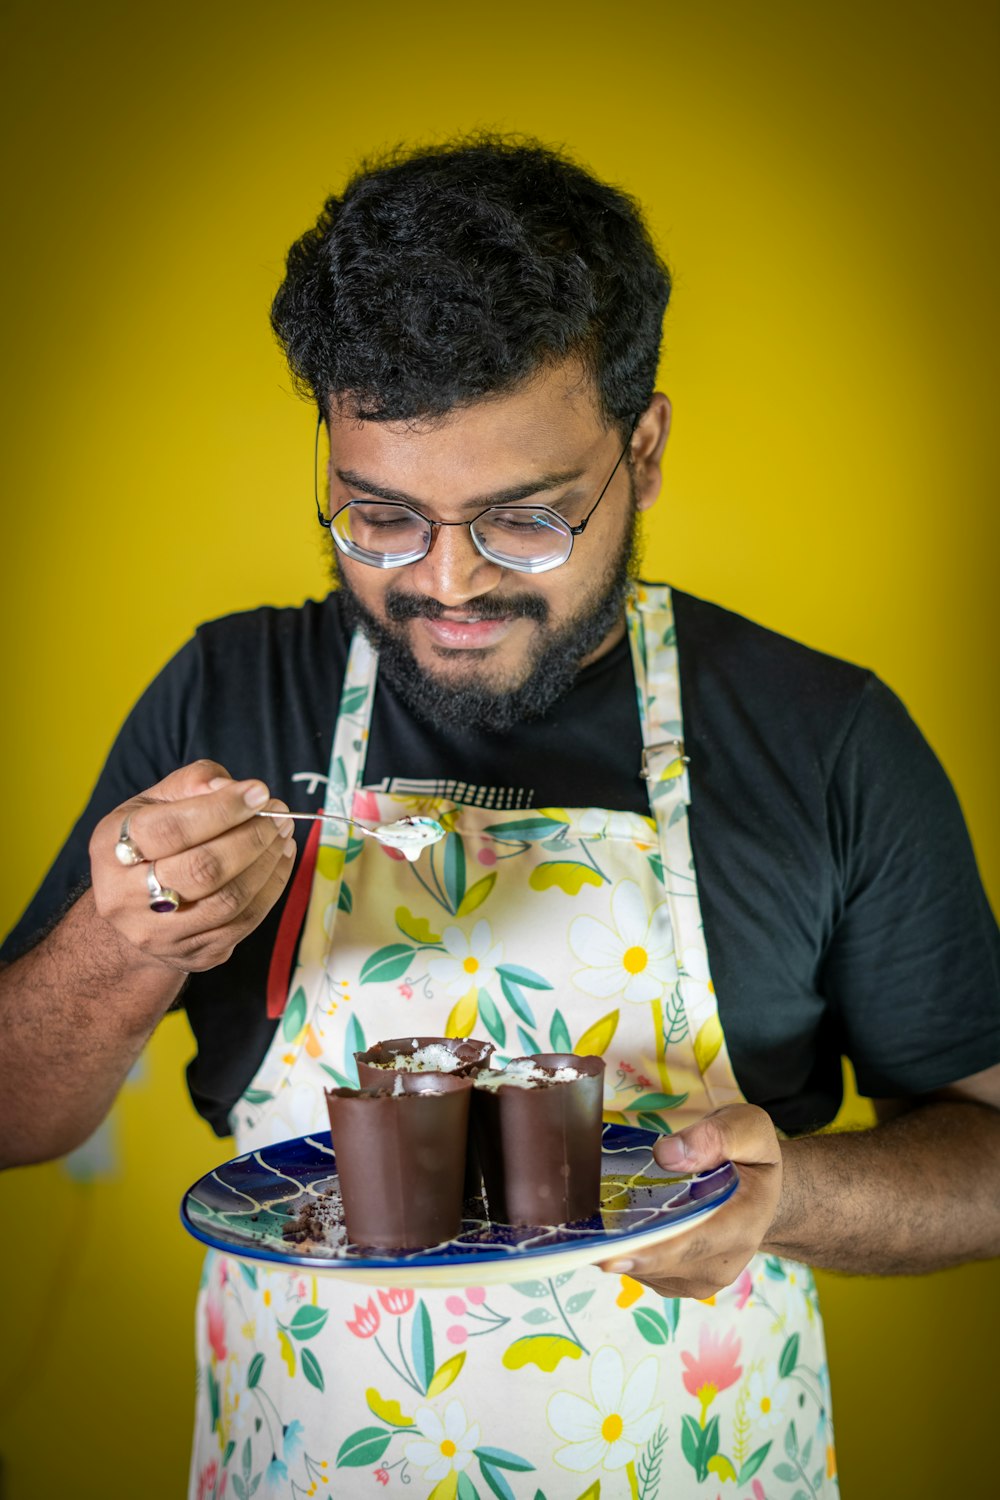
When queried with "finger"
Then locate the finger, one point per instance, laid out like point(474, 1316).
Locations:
point(207, 948)
point(159, 829)
point(193, 780)
point(228, 861)
point(739, 1132)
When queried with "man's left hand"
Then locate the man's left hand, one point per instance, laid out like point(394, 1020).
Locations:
point(711, 1256)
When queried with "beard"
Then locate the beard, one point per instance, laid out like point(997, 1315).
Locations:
point(476, 701)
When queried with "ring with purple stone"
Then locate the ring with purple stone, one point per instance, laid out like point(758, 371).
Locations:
point(161, 898)
point(126, 851)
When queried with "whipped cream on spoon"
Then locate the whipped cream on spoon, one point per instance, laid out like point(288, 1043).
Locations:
point(409, 835)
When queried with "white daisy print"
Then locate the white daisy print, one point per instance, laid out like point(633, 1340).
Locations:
point(612, 1428)
point(468, 962)
point(447, 1446)
point(768, 1395)
point(635, 958)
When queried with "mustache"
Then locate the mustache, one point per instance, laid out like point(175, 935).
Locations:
point(399, 606)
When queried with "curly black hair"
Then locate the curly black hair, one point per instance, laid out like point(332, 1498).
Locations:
point(449, 273)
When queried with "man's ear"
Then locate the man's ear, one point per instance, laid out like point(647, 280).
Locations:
point(648, 443)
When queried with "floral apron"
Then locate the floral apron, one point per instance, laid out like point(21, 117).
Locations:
point(554, 929)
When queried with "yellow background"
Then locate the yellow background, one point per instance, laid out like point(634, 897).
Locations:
point(822, 179)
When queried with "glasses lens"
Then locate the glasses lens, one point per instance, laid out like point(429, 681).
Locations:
point(381, 533)
point(531, 540)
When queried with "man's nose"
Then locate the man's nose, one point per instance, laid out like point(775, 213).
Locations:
point(454, 570)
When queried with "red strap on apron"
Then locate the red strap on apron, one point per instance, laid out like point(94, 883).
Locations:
point(290, 927)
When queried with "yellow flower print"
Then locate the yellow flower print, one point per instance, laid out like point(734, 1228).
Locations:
point(635, 958)
point(610, 1430)
point(469, 962)
point(444, 1447)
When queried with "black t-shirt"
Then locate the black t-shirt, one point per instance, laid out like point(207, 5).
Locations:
point(843, 911)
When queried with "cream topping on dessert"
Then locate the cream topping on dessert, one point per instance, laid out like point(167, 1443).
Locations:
point(523, 1074)
point(431, 1059)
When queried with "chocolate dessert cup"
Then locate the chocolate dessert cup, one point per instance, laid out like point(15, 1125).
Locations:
point(540, 1147)
point(377, 1070)
point(401, 1159)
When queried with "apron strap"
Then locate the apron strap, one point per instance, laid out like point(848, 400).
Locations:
point(283, 953)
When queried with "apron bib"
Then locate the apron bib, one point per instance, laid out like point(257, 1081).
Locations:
point(556, 929)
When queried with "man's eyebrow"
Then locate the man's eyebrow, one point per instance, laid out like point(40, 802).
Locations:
point(553, 480)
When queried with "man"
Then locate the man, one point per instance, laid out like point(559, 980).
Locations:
point(722, 890)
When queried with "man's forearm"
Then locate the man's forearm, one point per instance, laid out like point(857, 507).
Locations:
point(918, 1193)
point(75, 1013)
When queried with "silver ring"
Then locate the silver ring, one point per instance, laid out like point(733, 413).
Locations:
point(161, 898)
point(126, 852)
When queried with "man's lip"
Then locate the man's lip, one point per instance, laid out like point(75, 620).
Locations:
point(465, 633)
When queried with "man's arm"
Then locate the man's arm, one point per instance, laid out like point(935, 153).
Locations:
point(77, 1009)
point(917, 1192)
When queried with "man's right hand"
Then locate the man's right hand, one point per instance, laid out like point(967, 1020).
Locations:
point(227, 865)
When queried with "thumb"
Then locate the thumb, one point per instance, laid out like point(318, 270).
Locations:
point(739, 1132)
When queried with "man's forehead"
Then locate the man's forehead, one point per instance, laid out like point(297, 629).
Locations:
point(550, 423)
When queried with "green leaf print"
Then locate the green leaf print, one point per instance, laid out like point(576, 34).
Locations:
point(497, 1483)
point(654, 1123)
point(355, 1043)
point(353, 698)
point(312, 1371)
point(656, 865)
point(559, 1039)
point(345, 901)
point(691, 1443)
point(491, 1018)
point(578, 1301)
point(230, 1450)
point(257, 1096)
point(526, 830)
point(651, 1325)
point(386, 963)
point(363, 1447)
point(338, 776)
point(658, 1101)
point(787, 1472)
point(789, 1358)
point(530, 1288)
point(753, 1463)
point(454, 870)
point(247, 1458)
point(249, 1274)
point(501, 1459)
point(295, 1015)
point(422, 1341)
point(213, 1399)
point(711, 1447)
point(339, 1079)
point(528, 1043)
point(524, 976)
point(539, 1315)
point(307, 1322)
point(791, 1441)
point(255, 1370)
point(774, 1268)
point(672, 1312)
point(466, 1489)
point(516, 1000)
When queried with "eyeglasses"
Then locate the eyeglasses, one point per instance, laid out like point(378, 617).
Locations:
point(389, 534)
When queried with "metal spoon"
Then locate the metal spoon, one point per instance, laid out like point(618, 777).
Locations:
point(408, 835)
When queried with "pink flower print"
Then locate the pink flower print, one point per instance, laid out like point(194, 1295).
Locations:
point(455, 1305)
point(743, 1286)
point(207, 1480)
point(457, 1334)
point(476, 1295)
point(626, 1067)
point(391, 853)
point(215, 1319)
point(397, 1300)
point(643, 1081)
point(366, 1320)
point(382, 1475)
point(758, 1490)
point(406, 990)
point(365, 805)
point(715, 1368)
point(487, 857)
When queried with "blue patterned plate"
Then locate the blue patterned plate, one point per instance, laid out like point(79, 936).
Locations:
point(244, 1206)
